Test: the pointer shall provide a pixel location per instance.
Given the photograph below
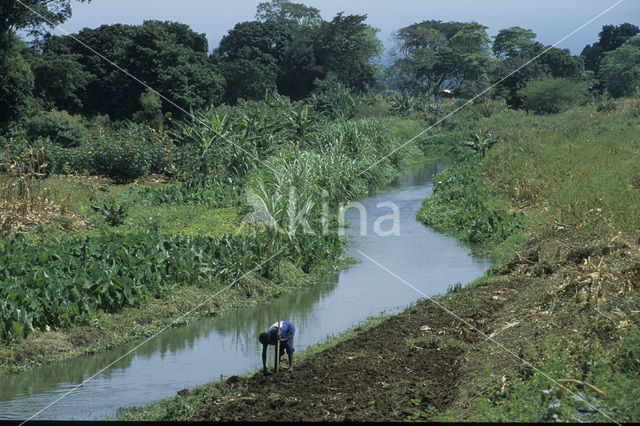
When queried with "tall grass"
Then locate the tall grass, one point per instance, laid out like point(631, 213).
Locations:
point(581, 168)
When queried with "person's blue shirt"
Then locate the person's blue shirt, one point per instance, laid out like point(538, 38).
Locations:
point(287, 330)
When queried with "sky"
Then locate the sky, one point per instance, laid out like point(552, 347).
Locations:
point(552, 20)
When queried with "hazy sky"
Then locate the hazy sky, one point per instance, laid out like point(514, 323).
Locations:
point(550, 19)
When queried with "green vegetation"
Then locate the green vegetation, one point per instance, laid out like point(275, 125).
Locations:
point(609, 39)
point(620, 69)
point(551, 96)
point(72, 280)
point(579, 169)
point(462, 205)
point(109, 269)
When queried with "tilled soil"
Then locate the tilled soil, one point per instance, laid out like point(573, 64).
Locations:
point(384, 373)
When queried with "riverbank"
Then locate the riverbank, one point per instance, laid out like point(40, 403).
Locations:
point(550, 334)
point(110, 330)
point(146, 252)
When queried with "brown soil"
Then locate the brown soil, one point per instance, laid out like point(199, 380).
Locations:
point(374, 376)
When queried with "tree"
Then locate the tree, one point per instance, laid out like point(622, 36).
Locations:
point(60, 81)
point(284, 10)
point(173, 60)
point(252, 56)
point(433, 55)
point(345, 47)
point(516, 48)
point(33, 15)
point(466, 60)
point(168, 56)
point(610, 38)
point(16, 78)
point(297, 70)
point(512, 42)
point(296, 60)
point(16, 83)
point(249, 75)
point(620, 69)
point(270, 38)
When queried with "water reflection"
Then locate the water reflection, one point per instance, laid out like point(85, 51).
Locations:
point(205, 350)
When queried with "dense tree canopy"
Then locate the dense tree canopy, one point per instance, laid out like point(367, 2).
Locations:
point(60, 80)
point(167, 56)
point(16, 76)
point(344, 47)
point(432, 55)
point(290, 47)
point(16, 83)
point(517, 47)
point(512, 42)
point(32, 15)
point(620, 69)
point(610, 38)
point(284, 10)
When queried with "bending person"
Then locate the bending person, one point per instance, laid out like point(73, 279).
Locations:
point(287, 331)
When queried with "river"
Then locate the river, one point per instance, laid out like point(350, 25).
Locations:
point(211, 348)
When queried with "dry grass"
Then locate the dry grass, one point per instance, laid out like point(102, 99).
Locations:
point(25, 203)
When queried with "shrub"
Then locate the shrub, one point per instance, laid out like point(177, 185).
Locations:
point(61, 160)
point(124, 159)
point(59, 127)
point(489, 107)
point(551, 95)
point(150, 110)
point(606, 105)
point(128, 153)
point(335, 102)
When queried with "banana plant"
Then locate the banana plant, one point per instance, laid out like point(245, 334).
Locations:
point(402, 103)
point(300, 122)
point(207, 131)
point(480, 143)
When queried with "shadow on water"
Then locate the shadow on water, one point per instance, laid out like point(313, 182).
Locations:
point(209, 348)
